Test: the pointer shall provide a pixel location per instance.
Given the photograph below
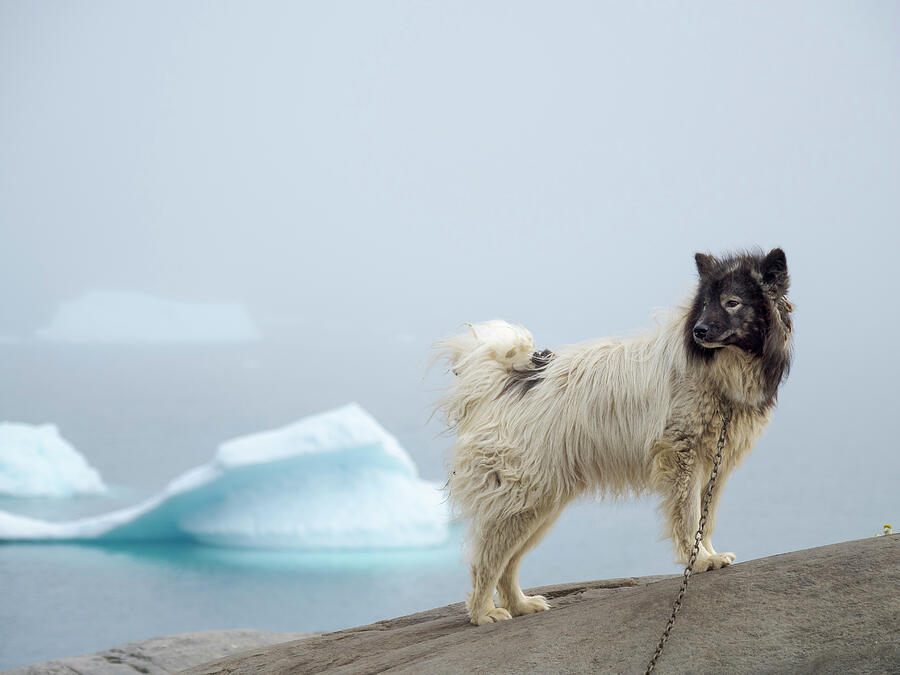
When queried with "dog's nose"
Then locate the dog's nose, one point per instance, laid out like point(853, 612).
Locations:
point(700, 331)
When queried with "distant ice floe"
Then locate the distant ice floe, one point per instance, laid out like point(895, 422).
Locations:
point(336, 480)
point(127, 317)
point(35, 461)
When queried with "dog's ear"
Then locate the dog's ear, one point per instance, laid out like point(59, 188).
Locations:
point(774, 272)
point(705, 263)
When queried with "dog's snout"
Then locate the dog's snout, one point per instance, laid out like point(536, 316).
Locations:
point(700, 331)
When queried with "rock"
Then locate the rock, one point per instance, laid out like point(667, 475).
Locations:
point(160, 655)
point(833, 609)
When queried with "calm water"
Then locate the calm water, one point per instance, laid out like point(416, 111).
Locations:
point(824, 472)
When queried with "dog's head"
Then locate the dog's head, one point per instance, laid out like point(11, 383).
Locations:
point(741, 304)
point(736, 300)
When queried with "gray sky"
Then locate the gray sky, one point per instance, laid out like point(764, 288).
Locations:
point(539, 161)
point(377, 170)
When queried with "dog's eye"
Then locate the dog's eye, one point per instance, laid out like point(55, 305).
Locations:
point(733, 304)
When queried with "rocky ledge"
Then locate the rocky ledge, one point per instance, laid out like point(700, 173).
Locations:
point(160, 655)
point(833, 609)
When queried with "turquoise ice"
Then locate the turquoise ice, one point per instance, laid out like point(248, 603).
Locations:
point(336, 480)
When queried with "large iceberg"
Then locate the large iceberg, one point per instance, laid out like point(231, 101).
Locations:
point(35, 461)
point(120, 316)
point(336, 480)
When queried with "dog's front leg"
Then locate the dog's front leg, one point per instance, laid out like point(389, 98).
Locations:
point(677, 477)
point(724, 472)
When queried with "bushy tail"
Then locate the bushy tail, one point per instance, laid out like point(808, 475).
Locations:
point(481, 360)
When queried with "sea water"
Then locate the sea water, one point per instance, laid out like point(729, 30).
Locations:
point(142, 415)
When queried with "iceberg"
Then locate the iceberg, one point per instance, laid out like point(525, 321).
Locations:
point(128, 317)
point(336, 480)
point(35, 461)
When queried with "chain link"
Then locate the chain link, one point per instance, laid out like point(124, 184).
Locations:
point(695, 550)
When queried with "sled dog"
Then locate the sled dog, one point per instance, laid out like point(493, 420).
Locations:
point(534, 430)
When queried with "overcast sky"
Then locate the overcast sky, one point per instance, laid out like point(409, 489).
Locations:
point(539, 161)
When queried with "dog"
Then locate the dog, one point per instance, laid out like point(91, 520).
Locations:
point(537, 429)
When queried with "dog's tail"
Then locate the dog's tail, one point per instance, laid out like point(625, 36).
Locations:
point(482, 360)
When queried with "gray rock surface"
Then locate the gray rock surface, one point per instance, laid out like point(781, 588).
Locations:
point(160, 655)
point(834, 609)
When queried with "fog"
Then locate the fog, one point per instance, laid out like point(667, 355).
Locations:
point(356, 172)
point(349, 181)
point(554, 164)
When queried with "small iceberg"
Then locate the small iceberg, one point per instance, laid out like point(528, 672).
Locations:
point(127, 317)
point(336, 480)
point(35, 461)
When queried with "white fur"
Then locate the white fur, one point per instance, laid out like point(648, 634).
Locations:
point(616, 416)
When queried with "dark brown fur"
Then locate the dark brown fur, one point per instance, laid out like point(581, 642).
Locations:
point(761, 324)
point(525, 380)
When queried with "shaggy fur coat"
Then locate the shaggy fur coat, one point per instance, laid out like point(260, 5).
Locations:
point(536, 430)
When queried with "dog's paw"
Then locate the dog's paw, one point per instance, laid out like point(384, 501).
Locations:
point(530, 604)
point(491, 616)
point(713, 562)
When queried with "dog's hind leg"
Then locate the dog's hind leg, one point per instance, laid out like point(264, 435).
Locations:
point(493, 546)
point(510, 593)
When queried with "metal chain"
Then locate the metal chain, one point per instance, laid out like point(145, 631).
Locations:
point(695, 550)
